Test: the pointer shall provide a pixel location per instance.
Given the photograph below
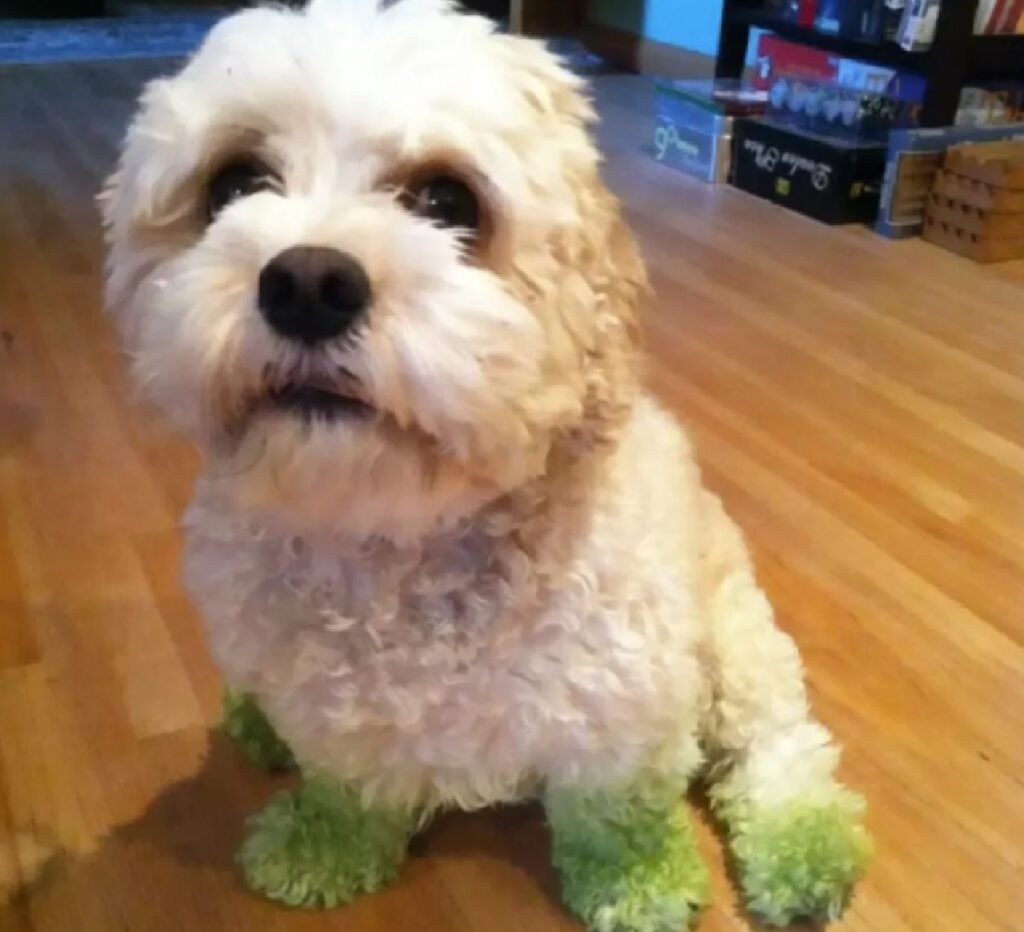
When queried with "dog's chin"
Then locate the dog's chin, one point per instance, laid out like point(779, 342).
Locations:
point(314, 459)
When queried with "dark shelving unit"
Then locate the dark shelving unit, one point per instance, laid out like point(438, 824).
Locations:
point(955, 59)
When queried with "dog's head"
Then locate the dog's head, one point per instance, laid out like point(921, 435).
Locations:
point(364, 256)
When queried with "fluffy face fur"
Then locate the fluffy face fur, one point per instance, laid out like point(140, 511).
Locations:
point(476, 361)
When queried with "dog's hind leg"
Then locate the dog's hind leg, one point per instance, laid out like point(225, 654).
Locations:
point(246, 724)
point(794, 832)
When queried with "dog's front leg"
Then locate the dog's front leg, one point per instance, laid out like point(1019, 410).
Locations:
point(627, 856)
point(796, 834)
point(245, 723)
point(319, 846)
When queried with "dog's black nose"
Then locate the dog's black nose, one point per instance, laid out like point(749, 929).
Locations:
point(312, 293)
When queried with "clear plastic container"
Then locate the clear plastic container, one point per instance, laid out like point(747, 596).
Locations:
point(835, 111)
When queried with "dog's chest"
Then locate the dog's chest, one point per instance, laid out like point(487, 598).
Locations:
point(373, 630)
point(419, 664)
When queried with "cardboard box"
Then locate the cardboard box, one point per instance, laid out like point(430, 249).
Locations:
point(828, 179)
point(702, 155)
point(992, 231)
point(912, 160)
point(977, 220)
point(977, 193)
point(915, 174)
point(997, 164)
point(971, 245)
point(776, 57)
point(692, 138)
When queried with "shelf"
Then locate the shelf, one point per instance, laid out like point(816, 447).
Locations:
point(996, 57)
point(888, 53)
point(991, 57)
point(955, 60)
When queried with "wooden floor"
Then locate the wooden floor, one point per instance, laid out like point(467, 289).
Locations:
point(858, 403)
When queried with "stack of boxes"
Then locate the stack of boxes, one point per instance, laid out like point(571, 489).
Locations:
point(837, 140)
point(913, 160)
point(976, 206)
point(908, 182)
point(694, 126)
point(833, 180)
point(820, 148)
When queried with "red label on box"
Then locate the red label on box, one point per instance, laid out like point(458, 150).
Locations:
point(777, 57)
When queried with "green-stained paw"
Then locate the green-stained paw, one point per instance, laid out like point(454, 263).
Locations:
point(628, 862)
point(254, 735)
point(317, 846)
point(799, 859)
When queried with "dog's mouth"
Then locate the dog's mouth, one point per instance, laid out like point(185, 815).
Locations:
point(319, 398)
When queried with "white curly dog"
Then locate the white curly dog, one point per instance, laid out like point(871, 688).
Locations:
point(445, 545)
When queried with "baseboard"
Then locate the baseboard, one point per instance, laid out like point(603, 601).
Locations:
point(635, 53)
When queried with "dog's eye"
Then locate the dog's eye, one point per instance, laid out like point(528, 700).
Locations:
point(238, 178)
point(447, 201)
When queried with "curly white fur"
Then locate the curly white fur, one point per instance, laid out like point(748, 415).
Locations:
point(511, 574)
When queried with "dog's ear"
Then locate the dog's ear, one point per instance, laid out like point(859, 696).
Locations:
point(107, 198)
point(618, 278)
point(591, 279)
point(626, 275)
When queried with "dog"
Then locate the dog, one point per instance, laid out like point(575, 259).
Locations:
point(448, 551)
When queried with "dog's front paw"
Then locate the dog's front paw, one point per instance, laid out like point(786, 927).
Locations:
point(628, 863)
point(662, 898)
point(800, 859)
point(318, 847)
point(246, 724)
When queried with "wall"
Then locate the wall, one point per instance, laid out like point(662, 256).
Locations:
point(691, 24)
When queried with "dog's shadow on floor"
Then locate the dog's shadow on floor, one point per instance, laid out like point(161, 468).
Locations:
point(173, 866)
point(512, 842)
point(178, 851)
point(199, 821)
